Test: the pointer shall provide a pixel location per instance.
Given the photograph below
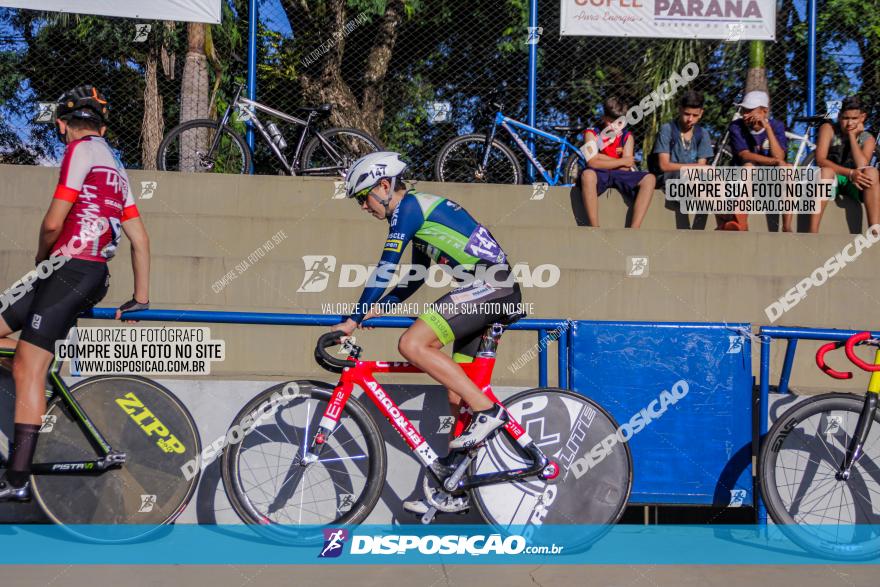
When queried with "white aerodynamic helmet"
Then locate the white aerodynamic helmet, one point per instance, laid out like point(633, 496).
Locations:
point(369, 169)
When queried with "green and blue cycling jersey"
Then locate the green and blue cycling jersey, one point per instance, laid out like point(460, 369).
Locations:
point(441, 231)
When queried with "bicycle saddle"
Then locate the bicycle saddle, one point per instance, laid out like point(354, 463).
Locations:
point(322, 109)
point(566, 129)
point(812, 120)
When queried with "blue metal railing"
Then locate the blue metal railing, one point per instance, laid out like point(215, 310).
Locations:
point(548, 330)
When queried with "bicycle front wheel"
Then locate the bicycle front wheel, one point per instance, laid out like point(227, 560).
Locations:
point(270, 484)
point(803, 491)
point(591, 490)
point(343, 147)
point(460, 160)
point(190, 147)
point(156, 432)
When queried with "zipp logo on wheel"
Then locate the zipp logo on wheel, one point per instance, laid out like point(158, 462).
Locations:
point(334, 540)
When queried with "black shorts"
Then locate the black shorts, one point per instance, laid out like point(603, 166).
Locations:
point(50, 309)
point(464, 313)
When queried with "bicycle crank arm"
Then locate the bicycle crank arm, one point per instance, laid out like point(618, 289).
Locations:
point(451, 483)
point(863, 427)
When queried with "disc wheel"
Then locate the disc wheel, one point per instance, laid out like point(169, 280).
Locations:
point(591, 490)
point(140, 418)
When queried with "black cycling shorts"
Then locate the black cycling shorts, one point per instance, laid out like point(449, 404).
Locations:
point(50, 309)
point(464, 313)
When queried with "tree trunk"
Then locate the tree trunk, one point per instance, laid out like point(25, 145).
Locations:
point(154, 123)
point(194, 94)
point(756, 78)
point(365, 111)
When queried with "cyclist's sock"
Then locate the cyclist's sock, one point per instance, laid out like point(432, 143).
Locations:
point(21, 455)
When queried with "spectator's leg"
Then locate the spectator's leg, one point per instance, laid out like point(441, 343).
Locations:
point(643, 199)
point(590, 194)
point(872, 197)
point(827, 174)
point(787, 218)
point(743, 219)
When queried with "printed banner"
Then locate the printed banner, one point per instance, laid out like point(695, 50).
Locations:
point(185, 10)
point(731, 20)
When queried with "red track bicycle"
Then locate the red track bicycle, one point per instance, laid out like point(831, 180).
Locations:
point(321, 459)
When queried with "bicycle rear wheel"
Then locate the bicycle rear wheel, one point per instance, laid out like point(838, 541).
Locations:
point(589, 491)
point(149, 490)
point(187, 147)
point(346, 145)
point(800, 459)
point(269, 485)
point(573, 168)
point(459, 161)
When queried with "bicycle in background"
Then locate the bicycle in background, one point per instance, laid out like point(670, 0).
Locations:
point(482, 158)
point(820, 465)
point(212, 146)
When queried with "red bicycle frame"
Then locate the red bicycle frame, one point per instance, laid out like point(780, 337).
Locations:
point(357, 372)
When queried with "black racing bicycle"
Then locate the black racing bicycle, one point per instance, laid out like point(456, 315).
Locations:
point(214, 146)
point(112, 451)
point(820, 465)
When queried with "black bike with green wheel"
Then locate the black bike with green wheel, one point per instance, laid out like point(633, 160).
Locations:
point(111, 452)
point(820, 465)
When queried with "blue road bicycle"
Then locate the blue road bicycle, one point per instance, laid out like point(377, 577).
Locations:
point(482, 158)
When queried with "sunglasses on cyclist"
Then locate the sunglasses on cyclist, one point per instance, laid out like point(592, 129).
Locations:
point(361, 196)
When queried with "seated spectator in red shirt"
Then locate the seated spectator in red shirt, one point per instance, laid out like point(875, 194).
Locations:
point(755, 139)
point(844, 152)
point(610, 163)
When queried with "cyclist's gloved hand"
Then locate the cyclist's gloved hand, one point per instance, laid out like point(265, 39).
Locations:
point(131, 305)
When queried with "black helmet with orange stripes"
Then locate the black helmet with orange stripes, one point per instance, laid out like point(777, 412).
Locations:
point(82, 102)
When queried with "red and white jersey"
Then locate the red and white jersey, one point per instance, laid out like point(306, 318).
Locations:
point(95, 181)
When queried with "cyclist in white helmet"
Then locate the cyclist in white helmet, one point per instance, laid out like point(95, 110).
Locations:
point(443, 232)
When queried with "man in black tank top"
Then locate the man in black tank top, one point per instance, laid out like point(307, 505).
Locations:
point(844, 152)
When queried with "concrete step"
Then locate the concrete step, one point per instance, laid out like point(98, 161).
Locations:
point(237, 196)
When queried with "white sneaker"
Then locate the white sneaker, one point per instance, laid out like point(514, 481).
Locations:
point(482, 425)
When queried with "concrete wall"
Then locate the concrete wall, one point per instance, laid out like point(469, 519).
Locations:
point(203, 227)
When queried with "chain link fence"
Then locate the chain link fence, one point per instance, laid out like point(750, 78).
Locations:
point(411, 74)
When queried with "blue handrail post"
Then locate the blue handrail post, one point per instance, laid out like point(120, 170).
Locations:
point(562, 356)
point(533, 38)
point(811, 58)
point(787, 365)
point(763, 400)
point(542, 358)
point(253, 19)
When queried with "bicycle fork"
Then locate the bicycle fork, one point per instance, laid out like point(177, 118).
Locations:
point(855, 449)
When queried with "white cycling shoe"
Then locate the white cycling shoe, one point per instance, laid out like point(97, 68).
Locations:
point(482, 425)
